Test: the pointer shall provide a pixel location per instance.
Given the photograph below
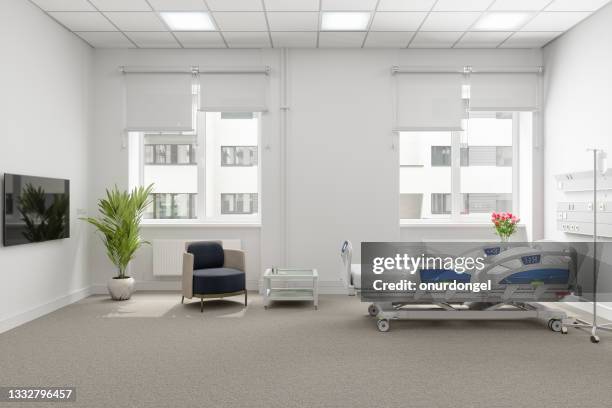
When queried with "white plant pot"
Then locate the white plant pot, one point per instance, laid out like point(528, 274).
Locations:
point(121, 289)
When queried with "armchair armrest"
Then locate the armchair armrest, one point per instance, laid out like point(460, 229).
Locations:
point(234, 258)
point(187, 275)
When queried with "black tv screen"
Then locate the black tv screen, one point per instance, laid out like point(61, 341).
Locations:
point(36, 209)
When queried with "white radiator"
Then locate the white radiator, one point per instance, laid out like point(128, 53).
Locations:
point(168, 254)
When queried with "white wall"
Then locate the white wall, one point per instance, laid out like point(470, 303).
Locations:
point(44, 102)
point(578, 98)
point(342, 159)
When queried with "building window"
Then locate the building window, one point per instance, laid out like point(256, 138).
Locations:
point(239, 203)
point(189, 174)
point(238, 156)
point(460, 175)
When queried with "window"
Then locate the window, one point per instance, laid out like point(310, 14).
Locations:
point(460, 175)
point(238, 203)
point(238, 156)
point(208, 174)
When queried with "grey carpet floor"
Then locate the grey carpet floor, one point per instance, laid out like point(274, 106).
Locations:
point(152, 351)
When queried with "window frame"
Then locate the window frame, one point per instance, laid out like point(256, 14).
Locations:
point(456, 217)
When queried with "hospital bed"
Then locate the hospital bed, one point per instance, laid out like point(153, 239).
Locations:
point(522, 276)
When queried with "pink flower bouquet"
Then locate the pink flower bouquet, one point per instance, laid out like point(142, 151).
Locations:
point(505, 224)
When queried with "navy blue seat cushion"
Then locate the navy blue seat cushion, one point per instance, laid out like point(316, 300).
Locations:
point(206, 255)
point(218, 280)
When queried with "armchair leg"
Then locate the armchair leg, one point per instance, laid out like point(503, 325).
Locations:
point(201, 305)
point(182, 299)
point(245, 298)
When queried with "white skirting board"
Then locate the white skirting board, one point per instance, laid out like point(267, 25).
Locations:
point(41, 310)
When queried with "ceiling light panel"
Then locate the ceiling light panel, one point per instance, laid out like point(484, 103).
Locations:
point(405, 5)
point(294, 39)
point(502, 21)
point(247, 40)
point(341, 40)
point(64, 5)
point(576, 5)
point(136, 21)
point(241, 21)
point(293, 5)
point(178, 5)
point(106, 39)
point(380, 39)
point(529, 39)
point(397, 21)
point(153, 39)
point(482, 39)
point(235, 5)
point(293, 21)
point(463, 5)
point(555, 21)
point(188, 20)
point(344, 21)
point(435, 40)
point(449, 21)
point(519, 5)
point(121, 5)
point(192, 39)
point(83, 21)
point(348, 5)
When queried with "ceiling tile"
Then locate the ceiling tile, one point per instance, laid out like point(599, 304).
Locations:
point(121, 5)
point(576, 5)
point(348, 5)
point(106, 39)
point(235, 5)
point(247, 40)
point(83, 21)
point(153, 39)
point(240, 21)
point(329, 39)
point(292, 5)
point(380, 39)
point(435, 40)
point(294, 39)
point(463, 5)
point(449, 21)
point(136, 21)
point(405, 5)
point(482, 39)
point(178, 5)
point(397, 21)
point(293, 21)
point(529, 39)
point(200, 39)
point(555, 21)
point(64, 5)
point(519, 5)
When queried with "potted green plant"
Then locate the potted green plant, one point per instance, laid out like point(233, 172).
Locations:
point(119, 226)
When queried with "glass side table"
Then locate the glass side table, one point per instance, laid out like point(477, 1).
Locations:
point(285, 275)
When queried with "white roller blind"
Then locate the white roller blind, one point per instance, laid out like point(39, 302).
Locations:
point(233, 92)
point(429, 102)
point(504, 92)
point(159, 102)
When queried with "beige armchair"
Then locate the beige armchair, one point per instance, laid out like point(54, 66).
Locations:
point(209, 271)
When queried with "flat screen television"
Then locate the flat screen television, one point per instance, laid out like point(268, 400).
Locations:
point(36, 209)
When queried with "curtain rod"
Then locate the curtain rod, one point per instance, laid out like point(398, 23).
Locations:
point(467, 69)
point(193, 70)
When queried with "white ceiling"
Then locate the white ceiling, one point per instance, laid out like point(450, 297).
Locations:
point(296, 23)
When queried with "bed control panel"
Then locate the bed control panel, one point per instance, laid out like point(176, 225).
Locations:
point(577, 218)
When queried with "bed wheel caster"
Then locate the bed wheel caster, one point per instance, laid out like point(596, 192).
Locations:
point(383, 325)
point(594, 339)
point(555, 325)
point(372, 310)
